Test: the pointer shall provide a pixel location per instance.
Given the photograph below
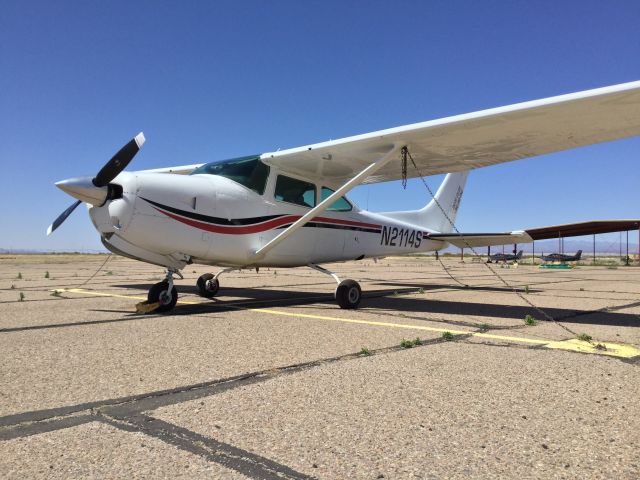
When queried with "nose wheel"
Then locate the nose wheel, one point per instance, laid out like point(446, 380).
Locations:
point(208, 285)
point(164, 294)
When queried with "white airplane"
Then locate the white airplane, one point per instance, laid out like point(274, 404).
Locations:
point(288, 209)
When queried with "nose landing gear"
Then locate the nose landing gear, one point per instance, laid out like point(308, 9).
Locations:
point(164, 293)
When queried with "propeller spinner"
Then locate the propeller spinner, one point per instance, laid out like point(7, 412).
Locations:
point(96, 190)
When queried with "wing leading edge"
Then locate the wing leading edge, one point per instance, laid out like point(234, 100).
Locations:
point(478, 139)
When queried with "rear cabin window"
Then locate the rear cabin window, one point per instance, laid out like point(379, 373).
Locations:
point(295, 191)
point(340, 205)
point(247, 171)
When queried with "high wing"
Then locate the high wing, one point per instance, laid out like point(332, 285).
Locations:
point(474, 140)
point(466, 240)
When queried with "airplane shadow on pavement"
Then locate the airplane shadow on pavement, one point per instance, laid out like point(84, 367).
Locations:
point(394, 300)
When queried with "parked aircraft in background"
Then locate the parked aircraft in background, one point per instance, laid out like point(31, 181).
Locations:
point(505, 257)
point(559, 257)
point(288, 208)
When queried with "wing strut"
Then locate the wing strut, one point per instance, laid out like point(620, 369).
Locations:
point(327, 202)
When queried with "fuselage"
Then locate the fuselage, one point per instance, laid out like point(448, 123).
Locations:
point(172, 220)
point(559, 257)
point(506, 257)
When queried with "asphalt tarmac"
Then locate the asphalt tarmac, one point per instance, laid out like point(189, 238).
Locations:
point(436, 375)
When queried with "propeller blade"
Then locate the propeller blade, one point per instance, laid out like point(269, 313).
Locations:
point(63, 216)
point(119, 161)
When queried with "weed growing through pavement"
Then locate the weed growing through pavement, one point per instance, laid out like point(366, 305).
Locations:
point(19, 277)
point(406, 343)
point(526, 289)
point(529, 320)
point(13, 286)
point(365, 351)
point(21, 297)
point(421, 290)
point(55, 293)
point(484, 327)
point(411, 343)
point(584, 337)
point(108, 273)
point(46, 274)
point(448, 336)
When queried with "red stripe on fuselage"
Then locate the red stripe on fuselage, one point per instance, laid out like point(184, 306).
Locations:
point(344, 222)
point(262, 227)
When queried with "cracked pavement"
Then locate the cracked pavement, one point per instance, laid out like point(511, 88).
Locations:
point(272, 380)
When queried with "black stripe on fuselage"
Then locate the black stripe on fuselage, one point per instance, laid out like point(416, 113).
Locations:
point(253, 220)
point(334, 226)
point(214, 220)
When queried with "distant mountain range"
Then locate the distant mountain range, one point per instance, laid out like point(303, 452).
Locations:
point(26, 251)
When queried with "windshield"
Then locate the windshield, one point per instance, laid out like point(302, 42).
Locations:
point(248, 171)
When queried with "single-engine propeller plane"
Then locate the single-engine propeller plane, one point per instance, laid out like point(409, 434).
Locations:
point(288, 208)
point(505, 257)
point(562, 258)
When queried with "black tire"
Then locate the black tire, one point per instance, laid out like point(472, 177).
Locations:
point(348, 294)
point(208, 285)
point(160, 293)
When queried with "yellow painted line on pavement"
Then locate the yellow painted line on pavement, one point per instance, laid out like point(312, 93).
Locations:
point(115, 295)
point(572, 345)
point(612, 349)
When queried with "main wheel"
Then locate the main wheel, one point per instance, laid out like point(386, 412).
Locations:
point(166, 298)
point(208, 285)
point(348, 294)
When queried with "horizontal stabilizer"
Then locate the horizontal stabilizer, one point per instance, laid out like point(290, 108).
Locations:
point(466, 240)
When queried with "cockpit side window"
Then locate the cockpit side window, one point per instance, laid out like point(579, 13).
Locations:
point(296, 191)
point(340, 205)
point(247, 171)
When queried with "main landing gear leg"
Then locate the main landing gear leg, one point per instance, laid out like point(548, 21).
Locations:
point(164, 293)
point(348, 293)
point(208, 283)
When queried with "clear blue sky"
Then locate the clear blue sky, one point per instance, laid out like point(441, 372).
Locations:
point(210, 80)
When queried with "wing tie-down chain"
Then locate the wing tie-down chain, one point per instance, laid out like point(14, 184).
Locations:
point(406, 153)
point(403, 157)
